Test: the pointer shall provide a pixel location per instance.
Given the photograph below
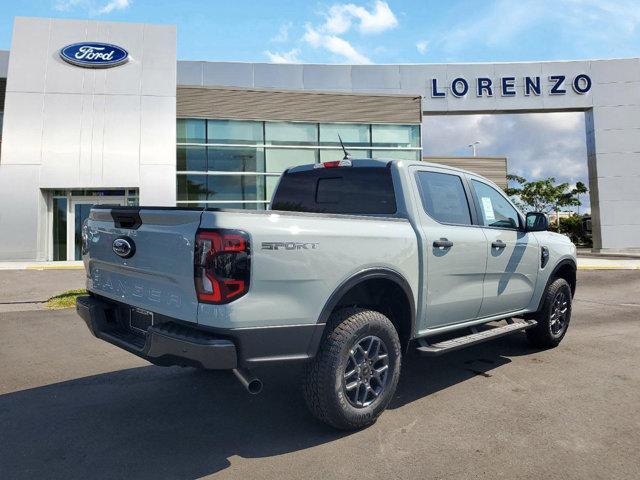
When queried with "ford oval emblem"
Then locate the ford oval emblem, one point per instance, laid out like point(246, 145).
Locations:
point(124, 247)
point(94, 54)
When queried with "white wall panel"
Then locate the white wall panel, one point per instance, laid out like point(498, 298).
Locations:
point(227, 74)
point(157, 137)
point(61, 77)
point(121, 142)
point(158, 185)
point(159, 61)
point(19, 212)
point(61, 135)
point(22, 128)
point(29, 53)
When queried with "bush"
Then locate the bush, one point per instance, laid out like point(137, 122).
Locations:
point(572, 228)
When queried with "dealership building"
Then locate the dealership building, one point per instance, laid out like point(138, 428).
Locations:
point(103, 112)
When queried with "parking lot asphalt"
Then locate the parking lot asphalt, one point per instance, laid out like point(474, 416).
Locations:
point(72, 406)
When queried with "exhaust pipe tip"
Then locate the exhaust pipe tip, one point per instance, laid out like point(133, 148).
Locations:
point(254, 387)
point(248, 381)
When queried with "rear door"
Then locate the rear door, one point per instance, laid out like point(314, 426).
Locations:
point(512, 254)
point(158, 274)
point(455, 252)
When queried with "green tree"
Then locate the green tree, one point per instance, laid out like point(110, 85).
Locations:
point(544, 195)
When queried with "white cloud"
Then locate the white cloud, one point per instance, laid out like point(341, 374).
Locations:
point(114, 5)
point(91, 7)
point(536, 145)
point(334, 44)
point(283, 33)
point(292, 56)
point(339, 18)
point(574, 23)
point(422, 46)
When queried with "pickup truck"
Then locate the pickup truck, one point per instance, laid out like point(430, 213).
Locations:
point(356, 264)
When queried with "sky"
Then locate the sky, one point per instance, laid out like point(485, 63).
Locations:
point(399, 31)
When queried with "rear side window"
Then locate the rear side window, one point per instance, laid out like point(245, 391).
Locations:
point(443, 197)
point(347, 190)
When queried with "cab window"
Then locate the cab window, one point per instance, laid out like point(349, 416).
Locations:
point(495, 209)
point(444, 198)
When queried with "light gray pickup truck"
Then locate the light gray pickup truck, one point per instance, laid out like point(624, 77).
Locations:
point(357, 263)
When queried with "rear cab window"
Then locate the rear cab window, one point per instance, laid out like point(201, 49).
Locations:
point(342, 190)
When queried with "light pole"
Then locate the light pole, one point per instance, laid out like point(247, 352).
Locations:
point(474, 148)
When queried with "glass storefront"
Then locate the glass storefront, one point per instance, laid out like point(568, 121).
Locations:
point(237, 164)
point(69, 209)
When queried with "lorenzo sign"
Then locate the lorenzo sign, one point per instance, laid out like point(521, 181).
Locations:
point(506, 86)
point(94, 55)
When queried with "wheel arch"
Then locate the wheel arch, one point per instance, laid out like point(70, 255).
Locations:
point(566, 269)
point(380, 289)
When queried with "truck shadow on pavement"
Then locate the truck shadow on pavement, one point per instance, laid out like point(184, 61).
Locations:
point(153, 422)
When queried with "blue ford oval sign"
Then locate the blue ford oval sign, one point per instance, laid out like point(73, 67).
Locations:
point(94, 54)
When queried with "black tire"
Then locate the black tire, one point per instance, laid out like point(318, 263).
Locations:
point(554, 316)
point(334, 400)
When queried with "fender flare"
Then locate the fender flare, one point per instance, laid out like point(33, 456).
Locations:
point(363, 276)
point(552, 276)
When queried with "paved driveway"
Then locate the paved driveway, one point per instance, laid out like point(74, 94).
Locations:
point(74, 407)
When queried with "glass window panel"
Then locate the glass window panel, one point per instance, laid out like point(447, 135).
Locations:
point(235, 159)
point(331, 155)
point(353, 134)
point(189, 130)
point(271, 184)
point(192, 187)
point(279, 159)
point(236, 205)
point(443, 197)
point(397, 154)
point(495, 209)
point(285, 133)
point(395, 135)
point(234, 131)
point(192, 159)
point(59, 229)
point(235, 187)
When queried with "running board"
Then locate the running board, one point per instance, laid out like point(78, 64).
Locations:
point(457, 343)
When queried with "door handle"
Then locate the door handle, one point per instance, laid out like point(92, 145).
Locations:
point(442, 243)
point(498, 244)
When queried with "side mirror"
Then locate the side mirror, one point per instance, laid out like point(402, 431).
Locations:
point(536, 222)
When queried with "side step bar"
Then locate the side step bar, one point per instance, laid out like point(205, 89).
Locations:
point(457, 343)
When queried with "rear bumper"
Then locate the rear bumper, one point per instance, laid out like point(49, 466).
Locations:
point(171, 342)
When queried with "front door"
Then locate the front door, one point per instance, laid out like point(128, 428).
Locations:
point(454, 251)
point(513, 254)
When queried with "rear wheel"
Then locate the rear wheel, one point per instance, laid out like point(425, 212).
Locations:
point(554, 316)
point(354, 376)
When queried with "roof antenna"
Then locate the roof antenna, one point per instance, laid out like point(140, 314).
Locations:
point(346, 154)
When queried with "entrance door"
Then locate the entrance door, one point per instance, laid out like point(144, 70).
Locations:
point(78, 213)
point(455, 251)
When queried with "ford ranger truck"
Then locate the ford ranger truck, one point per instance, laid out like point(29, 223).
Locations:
point(355, 264)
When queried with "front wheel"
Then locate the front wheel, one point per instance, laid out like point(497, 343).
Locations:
point(554, 316)
point(354, 376)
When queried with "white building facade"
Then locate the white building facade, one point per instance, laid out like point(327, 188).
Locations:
point(151, 130)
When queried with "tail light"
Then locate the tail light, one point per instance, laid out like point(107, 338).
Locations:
point(221, 265)
point(345, 162)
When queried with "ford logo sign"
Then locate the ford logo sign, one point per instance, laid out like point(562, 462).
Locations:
point(94, 55)
point(124, 247)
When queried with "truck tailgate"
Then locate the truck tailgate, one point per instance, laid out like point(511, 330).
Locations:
point(158, 274)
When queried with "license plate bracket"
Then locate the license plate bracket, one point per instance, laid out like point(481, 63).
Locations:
point(140, 320)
